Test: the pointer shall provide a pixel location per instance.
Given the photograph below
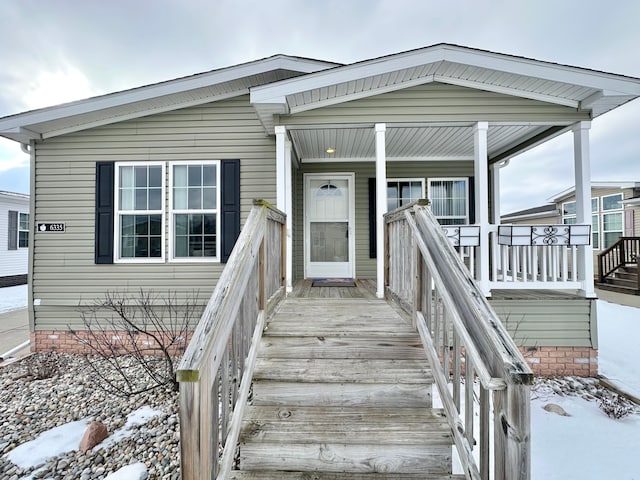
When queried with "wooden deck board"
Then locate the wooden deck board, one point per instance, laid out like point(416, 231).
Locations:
point(284, 475)
point(343, 370)
point(342, 389)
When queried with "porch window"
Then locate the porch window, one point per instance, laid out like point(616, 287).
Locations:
point(23, 230)
point(402, 191)
point(139, 212)
point(449, 199)
point(194, 210)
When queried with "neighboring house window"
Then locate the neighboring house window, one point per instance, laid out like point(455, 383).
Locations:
point(139, 211)
point(194, 210)
point(569, 218)
point(612, 219)
point(23, 231)
point(403, 191)
point(17, 230)
point(449, 199)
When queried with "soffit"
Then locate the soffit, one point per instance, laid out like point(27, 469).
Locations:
point(428, 143)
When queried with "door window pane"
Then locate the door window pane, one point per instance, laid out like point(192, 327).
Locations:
point(329, 241)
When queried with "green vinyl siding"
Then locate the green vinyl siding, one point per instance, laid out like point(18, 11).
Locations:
point(436, 102)
point(365, 266)
point(64, 272)
point(568, 322)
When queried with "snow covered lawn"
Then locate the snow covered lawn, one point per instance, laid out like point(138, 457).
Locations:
point(13, 298)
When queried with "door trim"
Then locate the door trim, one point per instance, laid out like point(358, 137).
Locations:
point(351, 182)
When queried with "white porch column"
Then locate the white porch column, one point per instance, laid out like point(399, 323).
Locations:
point(582, 171)
point(381, 204)
point(284, 196)
point(495, 184)
point(481, 171)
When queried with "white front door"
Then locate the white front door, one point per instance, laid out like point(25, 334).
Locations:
point(328, 225)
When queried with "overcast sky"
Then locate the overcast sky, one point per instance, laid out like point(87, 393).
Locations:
point(56, 51)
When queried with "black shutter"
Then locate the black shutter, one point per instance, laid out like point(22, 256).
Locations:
point(13, 230)
point(373, 244)
point(472, 201)
point(104, 212)
point(230, 208)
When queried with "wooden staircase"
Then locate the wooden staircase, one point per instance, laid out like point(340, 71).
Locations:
point(622, 280)
point(342, 390)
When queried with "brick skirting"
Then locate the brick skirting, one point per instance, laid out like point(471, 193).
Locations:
point(63, 341)
point(544, 361)
point(561, 361)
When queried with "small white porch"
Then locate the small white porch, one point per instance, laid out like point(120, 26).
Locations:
point(526, 257)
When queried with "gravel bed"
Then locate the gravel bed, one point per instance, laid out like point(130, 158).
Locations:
point(29, 407)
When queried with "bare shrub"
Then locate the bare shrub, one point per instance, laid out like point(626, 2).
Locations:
point(43, 365)
point(134, 340)
point(615, 407)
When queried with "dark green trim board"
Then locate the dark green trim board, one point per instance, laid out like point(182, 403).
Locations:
point(104, 212)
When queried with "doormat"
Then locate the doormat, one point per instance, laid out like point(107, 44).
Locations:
point(333, 282)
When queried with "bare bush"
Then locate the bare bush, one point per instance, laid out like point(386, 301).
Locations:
point(44, 365)
point(134, 340)
point(615, 407)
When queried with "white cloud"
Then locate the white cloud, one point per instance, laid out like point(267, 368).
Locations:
point(62, 85)
point(11, 156)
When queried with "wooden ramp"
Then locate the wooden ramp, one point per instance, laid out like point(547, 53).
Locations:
point(342, 390)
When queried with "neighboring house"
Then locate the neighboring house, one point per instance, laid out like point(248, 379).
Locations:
point(14, 238)
point(615, 213)
point(153, 184)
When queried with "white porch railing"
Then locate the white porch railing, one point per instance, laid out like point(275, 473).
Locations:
point(526, 256)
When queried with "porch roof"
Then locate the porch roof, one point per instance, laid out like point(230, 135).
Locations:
point(588, 91)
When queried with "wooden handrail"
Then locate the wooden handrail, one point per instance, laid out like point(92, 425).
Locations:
point(461, 333)
point(215, 371)
point(624, 252)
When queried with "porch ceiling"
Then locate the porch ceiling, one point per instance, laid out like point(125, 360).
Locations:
point(413, 143)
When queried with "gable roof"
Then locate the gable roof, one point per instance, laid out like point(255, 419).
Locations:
point(283, 84)
point(575, 87)
point(182, 92)
point(548, 210)
point(609, 184)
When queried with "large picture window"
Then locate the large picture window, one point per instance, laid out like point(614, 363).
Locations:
point(194, 210)
point(449, 199)
point(139, 212)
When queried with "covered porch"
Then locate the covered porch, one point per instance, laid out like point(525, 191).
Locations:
point(437, 123)
point(355, 174)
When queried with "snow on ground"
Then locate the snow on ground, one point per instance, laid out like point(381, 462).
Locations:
point(136, 418)
point(51, 443)
point(134, 471)
point(13, 298)
point(619, 354)
point(587, 445)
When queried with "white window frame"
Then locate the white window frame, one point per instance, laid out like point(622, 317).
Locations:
point(611, 211)
point(416, 180)
point(20, 214)
point(595, 227)
point(466, 194)
point(118, 213)
point(172, 212)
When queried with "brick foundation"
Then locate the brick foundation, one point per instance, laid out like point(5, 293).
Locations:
point(560, 361)
point(64, 342)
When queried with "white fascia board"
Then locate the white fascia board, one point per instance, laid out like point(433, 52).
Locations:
point(450, 53)
point(160, 89)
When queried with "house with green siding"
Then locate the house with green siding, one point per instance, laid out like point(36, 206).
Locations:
point(149, 188)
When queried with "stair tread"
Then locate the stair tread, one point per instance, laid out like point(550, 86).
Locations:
point(288, 475)
point(355, 370)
